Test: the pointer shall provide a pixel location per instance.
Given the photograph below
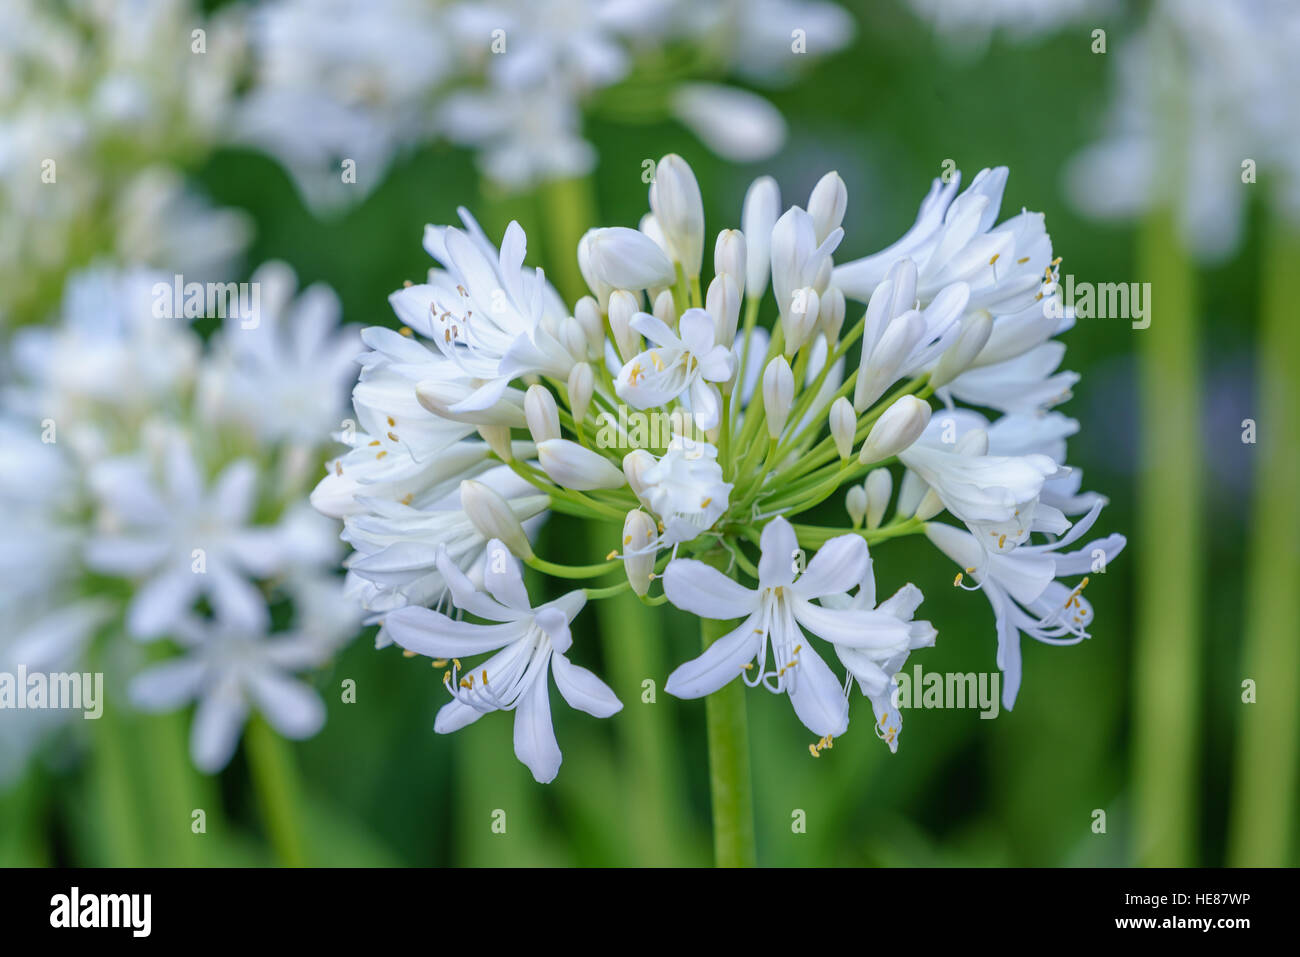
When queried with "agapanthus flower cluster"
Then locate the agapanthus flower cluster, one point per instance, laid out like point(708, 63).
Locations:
point(513, 78)
point(664, 402)
point(153, 488)
point(1203, 107)
point(101, 105)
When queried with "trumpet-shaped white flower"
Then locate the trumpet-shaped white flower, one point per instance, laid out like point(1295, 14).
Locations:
point(875, 670)
point(773, 615)
point(678, 366)
point(530, 644)
point(1022, 587)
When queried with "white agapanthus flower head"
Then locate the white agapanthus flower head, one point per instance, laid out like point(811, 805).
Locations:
point(703, 439)
point(153, 486)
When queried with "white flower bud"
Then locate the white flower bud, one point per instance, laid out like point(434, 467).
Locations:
point(830, 314)
point(880, 368)
point(623, 307)
point(729, 258)
point(574, 338)
point(675, 200)
point(855, 502)
point(492, 517)
point(723, 303)
point(587, 312)
point(778, 395)
point(497, 438)
point(956, 359)
point(600, 289)
point(635, 464)
point(897, 428)
point(582, 383)
point(826, 205)
point(879, 487)
point(638, 558)
point(844, 426)
point(761, 209)
point(930, 505)
point(541, 413)
point(665, 309)
point(570, 465)
point(650, 226)
point(623, 258)
point(800, 319)
point(974, 442)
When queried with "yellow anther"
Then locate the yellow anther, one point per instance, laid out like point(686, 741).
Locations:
point(957, 581)
point(705, 503)
point(612, 555)
point(407, 654)
point(407, 331)
point(407, 284)
point(440, 662)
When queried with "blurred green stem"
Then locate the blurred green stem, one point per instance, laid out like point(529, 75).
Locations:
point(1170, 566)
point(632, 641)
point(568, 209)
point(275, 782)
point(730, 780)
point(1261, 828)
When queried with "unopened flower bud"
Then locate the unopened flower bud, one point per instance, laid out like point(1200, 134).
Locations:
point(444, 398)
point(623, 307)
point(638, 558)
point(492, 517)
point(635, 465)
point(956, 359)
point(623, 258)
point(570, 465)
point(844, 426)
point(759, 215)
point(574, 338)
point(677, 205)
point(826, 205)
point(879, 487)
point(778, 395)
point(855, 502)
point(665, 309)
point(729, 256)
point(830, 315)
point(897, 428)
point(880, 367)
point(800, 319)
point(582, 382)
point(587, 312)
point(541, 413)
point(723, 304)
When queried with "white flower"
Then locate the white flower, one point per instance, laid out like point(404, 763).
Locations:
point(1022, 587)
point(623, 258)
point(570, 465)
point(875, 670)
point(284, 371)
point(530, 644)
point(679, 211)
point(799, 259)
point(677, 366)
point(685, 489)
point(955, 240)
point(229, 670)
point(772, 617)
point(735, 124)
point(184, 540)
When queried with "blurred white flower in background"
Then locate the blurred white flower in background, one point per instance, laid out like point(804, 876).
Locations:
point(157, 486)
point(967, 26)
point(98, 100)
point(336, 81)
point(1202, 89)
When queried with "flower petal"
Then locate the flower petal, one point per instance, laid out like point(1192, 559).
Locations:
point(583, 690)
point(780, 554)
point(702, 590)
point(535, 743)
point(838, 565)
point(719, 664)
point(817, 695)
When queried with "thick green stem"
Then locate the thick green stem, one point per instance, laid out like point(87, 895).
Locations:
point(730, 780)
point(1262, 824)
point(568, 209)
point(1171, 560)
point(276, 784)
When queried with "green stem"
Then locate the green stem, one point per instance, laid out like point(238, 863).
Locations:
point(1262, 823)
point(275, 782)
point(573, 571)
point(568, 210)
point(730, 781)
point(1170, 567)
